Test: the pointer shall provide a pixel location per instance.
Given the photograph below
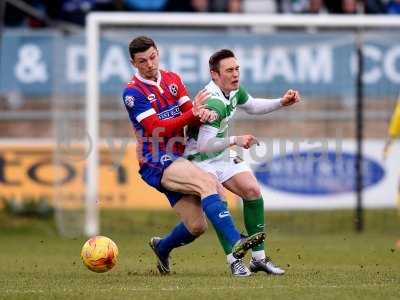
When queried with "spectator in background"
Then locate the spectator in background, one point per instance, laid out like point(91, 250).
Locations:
point(75, 11)
point(293, 6)
point(40, 6)
point(374, 7)
point(234, 6)
point(13, 16)
point(230, 6)
point(200, 5)
point(341, 6)
point(349, 6)
point(393, 7)
point(333, 6)
point(108, 5)
point(148, 5)
point(188, 6)
point(40, 13)
point(316, 6)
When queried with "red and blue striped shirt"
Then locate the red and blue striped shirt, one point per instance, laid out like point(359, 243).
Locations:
point(158, 111)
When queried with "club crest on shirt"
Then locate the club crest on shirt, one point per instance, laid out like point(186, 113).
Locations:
point(173, 88)
point(234, 101)
point(151, 97)
point(129, 100)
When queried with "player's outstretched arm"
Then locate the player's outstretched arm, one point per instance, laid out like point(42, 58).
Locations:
point(260, 106)
point(290, 97)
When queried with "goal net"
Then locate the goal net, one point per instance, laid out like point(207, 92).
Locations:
point(316, 55)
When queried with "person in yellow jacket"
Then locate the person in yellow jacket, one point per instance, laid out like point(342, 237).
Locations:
point(394, 128)
point(394, 133)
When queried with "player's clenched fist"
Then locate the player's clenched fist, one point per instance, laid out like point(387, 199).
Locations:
point(246, 141)
point(291, 97)
point(199, 101)
point(207, 115)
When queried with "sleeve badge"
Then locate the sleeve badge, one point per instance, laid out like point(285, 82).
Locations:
point(129, 100)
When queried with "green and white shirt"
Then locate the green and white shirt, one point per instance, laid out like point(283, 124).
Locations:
point(225, 108)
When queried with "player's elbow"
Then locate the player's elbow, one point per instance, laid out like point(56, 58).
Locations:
point(250, 110)
point(203, 147)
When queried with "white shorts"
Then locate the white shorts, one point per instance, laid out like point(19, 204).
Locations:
point(222, 167)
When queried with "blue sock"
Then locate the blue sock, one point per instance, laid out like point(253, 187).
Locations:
point(179, 236)
point(220, 217)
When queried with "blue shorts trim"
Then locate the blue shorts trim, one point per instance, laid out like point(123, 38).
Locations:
point(152, 173)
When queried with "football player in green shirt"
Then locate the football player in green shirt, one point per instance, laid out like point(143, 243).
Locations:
point(208, 147)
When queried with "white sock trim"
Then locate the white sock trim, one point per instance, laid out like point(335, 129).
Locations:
point(258, 255)
point(230, 259)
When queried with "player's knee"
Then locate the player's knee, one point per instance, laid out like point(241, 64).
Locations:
point(198, 227)
point(252, 192)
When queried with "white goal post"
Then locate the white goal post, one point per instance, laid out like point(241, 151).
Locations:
point(95, 21)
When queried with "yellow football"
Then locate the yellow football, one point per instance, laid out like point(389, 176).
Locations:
point(99, 254)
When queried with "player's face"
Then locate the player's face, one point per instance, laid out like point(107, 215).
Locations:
point(228, 76)
point(147, 63)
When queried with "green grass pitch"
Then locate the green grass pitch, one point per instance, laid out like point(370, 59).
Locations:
point(323, 257)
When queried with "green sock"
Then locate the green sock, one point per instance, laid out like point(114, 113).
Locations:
point(253, 212)
point(224, 243)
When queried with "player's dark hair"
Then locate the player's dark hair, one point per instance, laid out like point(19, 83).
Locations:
point(217, 57)
point(140, 44)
